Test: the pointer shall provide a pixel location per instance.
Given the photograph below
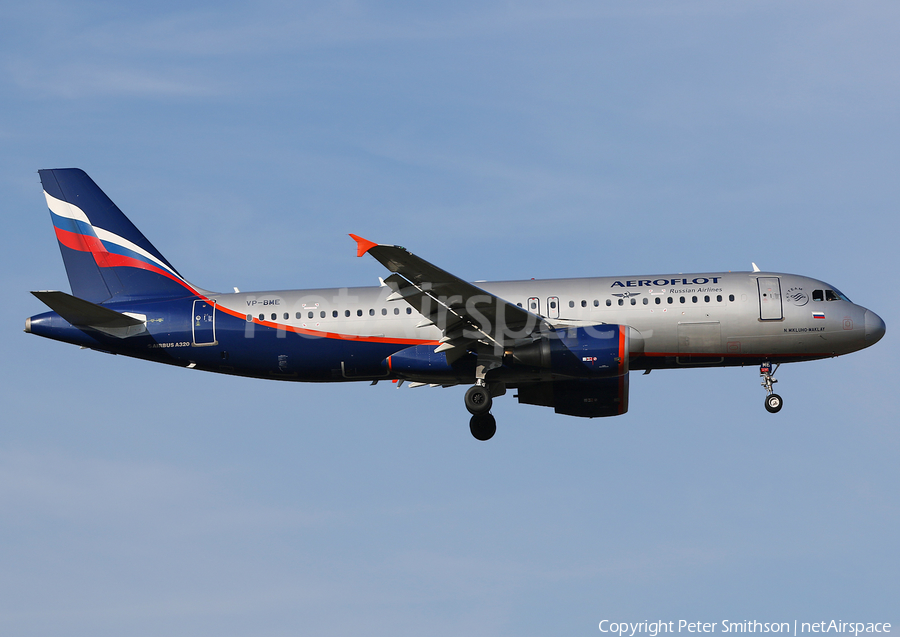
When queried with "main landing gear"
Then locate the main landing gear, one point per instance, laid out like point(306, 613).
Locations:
point(774, 403)
point(478, 401)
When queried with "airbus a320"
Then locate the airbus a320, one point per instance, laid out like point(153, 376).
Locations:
point(568, 344)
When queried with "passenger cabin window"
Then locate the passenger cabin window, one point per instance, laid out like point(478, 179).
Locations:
point(608, 302)
point(583, 303)
point(571, 303)
point(347, 313)
point(334, 313)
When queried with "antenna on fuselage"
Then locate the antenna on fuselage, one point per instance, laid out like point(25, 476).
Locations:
point(755, 267)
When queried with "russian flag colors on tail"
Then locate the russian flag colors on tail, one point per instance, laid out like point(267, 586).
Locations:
point(106, 256)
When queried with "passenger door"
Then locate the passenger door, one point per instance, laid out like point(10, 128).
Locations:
point(204, 323)
point(770, 298)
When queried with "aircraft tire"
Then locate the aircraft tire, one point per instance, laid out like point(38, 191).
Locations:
point(483, 426)
point(478, 400)
point(774, 403)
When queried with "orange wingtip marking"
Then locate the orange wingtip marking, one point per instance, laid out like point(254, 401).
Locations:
point(362, 245)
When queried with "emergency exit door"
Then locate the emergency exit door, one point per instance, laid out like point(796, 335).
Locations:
point(553, 307)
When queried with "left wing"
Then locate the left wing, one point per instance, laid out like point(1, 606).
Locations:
point(464, 312)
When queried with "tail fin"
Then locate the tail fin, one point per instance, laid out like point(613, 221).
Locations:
point(106, 256)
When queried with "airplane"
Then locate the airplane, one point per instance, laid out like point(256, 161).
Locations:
point(568, 344)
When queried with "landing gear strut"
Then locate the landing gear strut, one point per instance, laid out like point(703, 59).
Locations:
point(774, 403)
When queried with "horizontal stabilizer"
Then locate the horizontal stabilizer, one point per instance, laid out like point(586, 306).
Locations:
point(84, 313)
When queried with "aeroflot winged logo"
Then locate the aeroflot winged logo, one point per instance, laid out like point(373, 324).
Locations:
point(649, 283)
point(797, 296)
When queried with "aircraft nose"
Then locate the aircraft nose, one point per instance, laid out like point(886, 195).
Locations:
point(874, 327)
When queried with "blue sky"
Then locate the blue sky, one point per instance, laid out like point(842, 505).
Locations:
point(498, 140)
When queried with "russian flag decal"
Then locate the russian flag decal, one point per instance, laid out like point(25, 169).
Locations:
point(818, 315)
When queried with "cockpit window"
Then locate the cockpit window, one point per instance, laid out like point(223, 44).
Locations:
point(829, 295)
point(834, 295)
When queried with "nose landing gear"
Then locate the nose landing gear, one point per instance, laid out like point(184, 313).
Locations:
point(774, 403)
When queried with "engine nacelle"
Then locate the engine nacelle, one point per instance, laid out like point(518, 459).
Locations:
point(422, 363)
point(595, 351)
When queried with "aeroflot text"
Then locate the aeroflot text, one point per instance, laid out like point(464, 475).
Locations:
point(659, 283)
point(652, 629)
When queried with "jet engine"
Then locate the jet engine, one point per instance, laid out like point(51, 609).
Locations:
point(595, 351)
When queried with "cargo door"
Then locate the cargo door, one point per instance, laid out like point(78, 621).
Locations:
point(700, 343)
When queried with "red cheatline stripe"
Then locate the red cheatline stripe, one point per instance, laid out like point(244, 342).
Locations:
point(104, 259)
point(80, 242)
point(331, 335)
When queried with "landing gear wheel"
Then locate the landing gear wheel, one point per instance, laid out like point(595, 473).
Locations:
point(478, 400)
point(483, 426)
point(774, 403)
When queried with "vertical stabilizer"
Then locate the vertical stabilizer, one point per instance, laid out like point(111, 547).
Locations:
point(106, 256)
